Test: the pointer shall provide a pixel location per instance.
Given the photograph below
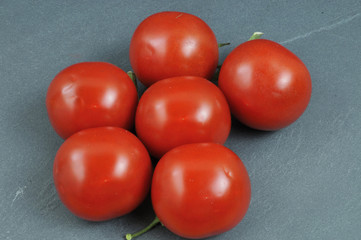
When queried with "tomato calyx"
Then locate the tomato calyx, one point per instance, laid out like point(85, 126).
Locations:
point(256, 35)
point(130, 236)
point(223, 44)
point(133, 77)
point(214, 79)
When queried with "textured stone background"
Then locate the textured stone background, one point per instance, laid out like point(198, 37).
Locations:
point(306, 179)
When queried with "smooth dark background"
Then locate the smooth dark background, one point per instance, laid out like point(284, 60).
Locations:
point(306, 178)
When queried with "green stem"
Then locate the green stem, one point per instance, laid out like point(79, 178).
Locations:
point(256, 35)
point(133, 77)
point(223, 44)
point(144, 230)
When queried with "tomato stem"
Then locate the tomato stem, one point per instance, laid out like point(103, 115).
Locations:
point(130, 236)
point(133, 77)
point(223, 44)
point(256, 35)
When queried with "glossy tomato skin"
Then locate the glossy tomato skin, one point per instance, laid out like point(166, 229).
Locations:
point(181, 110)
point(170, 44)
point(91, 94)
point(200, 190)
point(102, 173)
point(266, 85)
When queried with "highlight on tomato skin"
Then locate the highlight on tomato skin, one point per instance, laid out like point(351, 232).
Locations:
point(91, 94)
point(170, 44)
point(267, 86)
point(181, 110)
point(200, 190)
point(102, 173)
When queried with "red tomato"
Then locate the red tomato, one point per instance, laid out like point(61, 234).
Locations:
point(200, 190)
point(267, 86)
point(181, 110)
point(170, 44)
point(91, 94)
point(102, 173)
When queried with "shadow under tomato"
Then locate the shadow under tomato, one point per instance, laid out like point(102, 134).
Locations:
point(241, 131)
point(139, 218)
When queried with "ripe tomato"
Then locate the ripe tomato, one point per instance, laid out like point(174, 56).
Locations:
point(91, 94)
point(102, 173)
point(170, 44)
point(200, 190)
point(181, 110)
point(266, 85)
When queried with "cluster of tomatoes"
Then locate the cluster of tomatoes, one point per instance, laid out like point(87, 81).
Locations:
point(199, 188)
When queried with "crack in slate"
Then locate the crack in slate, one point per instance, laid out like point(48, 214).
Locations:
point(321, 29)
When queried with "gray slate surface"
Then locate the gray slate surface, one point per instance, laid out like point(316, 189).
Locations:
point(306, 178)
